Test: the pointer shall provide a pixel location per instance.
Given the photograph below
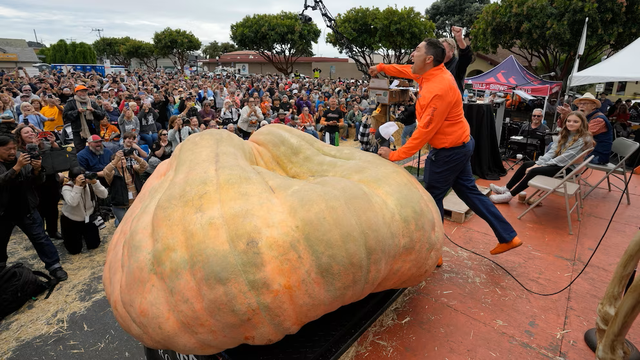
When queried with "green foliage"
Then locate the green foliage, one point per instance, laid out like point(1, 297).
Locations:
point(392, 32)
point(400, 31)
point(143, 51)
point(69, 53)
point(279, 38)
point(215, 49)
point(448, 13)
point(112, 48)
point(549, 32)
point(177, 44)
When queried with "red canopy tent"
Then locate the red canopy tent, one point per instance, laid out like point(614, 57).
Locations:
point(509, 75)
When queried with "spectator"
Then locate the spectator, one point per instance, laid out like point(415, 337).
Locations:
point(125, 182)
point(605, 103)
point(18, 206)
point(94, 157)
point(112, 113)
point(191, 128)
point(52, 110)
point(128, 122)
point(207, 114)
point(148, 130)
point(7, 121)
point(249, 117)
point(307, 123)
point(456, 61)
point(354, 117)
point(107, 131)
point(175, 131)
point(49, 190)
point(26, 90)
point(331, 120)
point(84, 116)
point(78, 221)
point(574, 139)
point(129, 145)
point(302, 102)
point(29, 116)
point(230, 114)
point(161, 105)
point(160, 151)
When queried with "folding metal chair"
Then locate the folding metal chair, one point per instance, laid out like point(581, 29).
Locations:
point(622, 149)
point(562, 184)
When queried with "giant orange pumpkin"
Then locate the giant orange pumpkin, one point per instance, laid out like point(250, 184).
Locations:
point(234, 241)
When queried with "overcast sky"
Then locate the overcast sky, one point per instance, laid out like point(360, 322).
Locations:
point(209, 21)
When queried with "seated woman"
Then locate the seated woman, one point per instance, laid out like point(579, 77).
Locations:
point(574, 138)
point(77, 219)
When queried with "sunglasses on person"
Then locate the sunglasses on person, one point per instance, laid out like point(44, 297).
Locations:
point(536, 115)
point(163, 134)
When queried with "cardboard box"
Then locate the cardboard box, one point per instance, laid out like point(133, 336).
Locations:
point(389, 96)
point(382, 84)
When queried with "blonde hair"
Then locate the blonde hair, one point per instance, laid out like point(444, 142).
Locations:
point(451, 43)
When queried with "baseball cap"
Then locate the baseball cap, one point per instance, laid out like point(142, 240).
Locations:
point(80, 87)
point(27, 95)
point(94, 138)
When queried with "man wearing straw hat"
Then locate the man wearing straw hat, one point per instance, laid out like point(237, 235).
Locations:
point(599, 126)
point(442, 124)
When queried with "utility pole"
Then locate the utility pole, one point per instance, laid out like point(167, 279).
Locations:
point(36, 35)
point(99, 31)
point(70, 39)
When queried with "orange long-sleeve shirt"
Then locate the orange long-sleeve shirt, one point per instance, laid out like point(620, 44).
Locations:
point(439, 112)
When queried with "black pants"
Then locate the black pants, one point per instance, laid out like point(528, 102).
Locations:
point(49, 194)
point(245, 134)
point(78, 142)
point(74, 231)
point(520, 180)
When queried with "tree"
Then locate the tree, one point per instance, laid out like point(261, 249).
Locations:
point(448, 13)
point(392, 32)
point(143, 51)
point(399, 31)
point(176, 44)
point(548, 32)
point(214, 49)
point(112, 48)
point(69, 53)
point(359, 26)
point(281, 39)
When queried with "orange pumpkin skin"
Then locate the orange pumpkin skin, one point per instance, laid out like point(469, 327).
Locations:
point(234, 241)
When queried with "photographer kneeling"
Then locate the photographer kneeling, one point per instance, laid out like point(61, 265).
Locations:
point(78, 220)
point(124, 181)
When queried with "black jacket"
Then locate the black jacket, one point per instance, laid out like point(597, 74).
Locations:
point(118, 192)
point(457, 66)
point(71, 115)
point(9, 180)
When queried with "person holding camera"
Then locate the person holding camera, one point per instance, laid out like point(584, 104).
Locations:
point(148, 117)
point(249, 117)
point(79, 220)
point(129, 147)
point(84, 115)
point(124, 181)
point(37, 146)
point(18, 205)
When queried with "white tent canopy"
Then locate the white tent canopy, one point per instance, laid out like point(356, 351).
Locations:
point(621, 66)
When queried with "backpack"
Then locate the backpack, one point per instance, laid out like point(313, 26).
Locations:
point(18, 284)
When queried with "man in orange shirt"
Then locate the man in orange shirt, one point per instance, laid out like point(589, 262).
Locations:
point(442, 124)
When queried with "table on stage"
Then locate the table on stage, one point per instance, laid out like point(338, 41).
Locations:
point(486, 161)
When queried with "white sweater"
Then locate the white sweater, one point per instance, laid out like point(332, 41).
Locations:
point(73, 197)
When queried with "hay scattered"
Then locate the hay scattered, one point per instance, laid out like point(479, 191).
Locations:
point(74, 296)
point(375, 333)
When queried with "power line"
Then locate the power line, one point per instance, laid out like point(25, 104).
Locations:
point(70, 39)
point(99, 31)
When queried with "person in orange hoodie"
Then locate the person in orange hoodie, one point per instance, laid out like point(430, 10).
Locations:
point(107, 130)
point(442, 124)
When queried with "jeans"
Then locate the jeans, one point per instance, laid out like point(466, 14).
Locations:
point(451, 168)
point(119, 212)
point(149, 139)
point(407, 132)
point(31, 225)
point(312, 132)
point(520, 180)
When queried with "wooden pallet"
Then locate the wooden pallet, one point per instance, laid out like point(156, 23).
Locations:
point(456, 210)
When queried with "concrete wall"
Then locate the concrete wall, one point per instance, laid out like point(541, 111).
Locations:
point(162, 63)
point(478, 65)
